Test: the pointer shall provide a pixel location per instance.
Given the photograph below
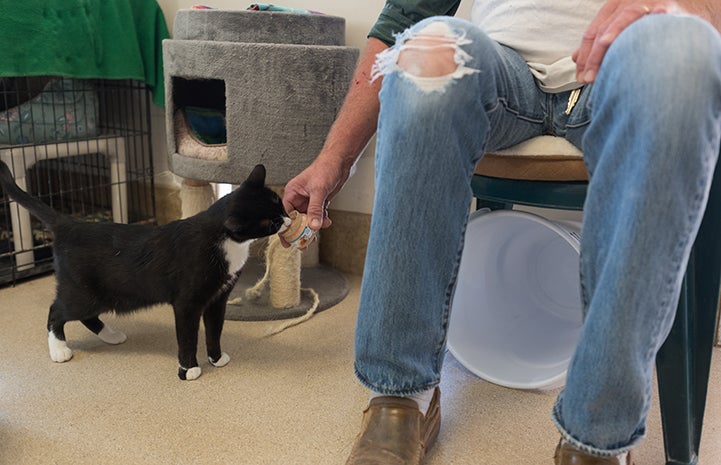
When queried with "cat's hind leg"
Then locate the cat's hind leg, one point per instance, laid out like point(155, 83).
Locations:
point(213, 319)
point(103, 331)
point(58, 347)
point(187, 324)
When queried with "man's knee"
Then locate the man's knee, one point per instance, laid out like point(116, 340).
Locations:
point(667, 46)
point(431, 56)
point(430, 53)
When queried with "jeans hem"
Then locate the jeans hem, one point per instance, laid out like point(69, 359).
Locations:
point(591, 450)
point(386, 391)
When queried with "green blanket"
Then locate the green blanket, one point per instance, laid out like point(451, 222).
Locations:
point(106, 39)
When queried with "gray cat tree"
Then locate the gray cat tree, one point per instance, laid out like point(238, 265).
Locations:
point(280, 79)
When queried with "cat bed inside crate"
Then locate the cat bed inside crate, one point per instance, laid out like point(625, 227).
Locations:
point(66, 109)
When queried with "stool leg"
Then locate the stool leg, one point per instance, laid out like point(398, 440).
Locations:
point(684, 361)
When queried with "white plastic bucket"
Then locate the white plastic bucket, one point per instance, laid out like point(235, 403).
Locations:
point(516, 313)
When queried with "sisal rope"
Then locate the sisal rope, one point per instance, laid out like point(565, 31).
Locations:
point(282, 273)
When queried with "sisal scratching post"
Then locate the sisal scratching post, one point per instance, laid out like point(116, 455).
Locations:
point(282, 275)
point(195, 197)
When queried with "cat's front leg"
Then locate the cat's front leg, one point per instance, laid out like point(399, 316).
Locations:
point(187, 324)
point(213, 319)
point(58, 348)
point(189, 374)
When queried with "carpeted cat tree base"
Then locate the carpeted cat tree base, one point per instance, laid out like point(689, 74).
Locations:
point(330, 285)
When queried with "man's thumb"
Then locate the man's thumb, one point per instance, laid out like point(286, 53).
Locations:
point(315, 215)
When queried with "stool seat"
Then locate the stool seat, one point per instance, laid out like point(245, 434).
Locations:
point(542, 158)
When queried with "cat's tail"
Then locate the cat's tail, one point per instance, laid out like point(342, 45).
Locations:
point(41, 210)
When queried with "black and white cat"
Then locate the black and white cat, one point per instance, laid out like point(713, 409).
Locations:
point(191, 264)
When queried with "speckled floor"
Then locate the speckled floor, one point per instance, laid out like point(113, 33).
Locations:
point(287, 399)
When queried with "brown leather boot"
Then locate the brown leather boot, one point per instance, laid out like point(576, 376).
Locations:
point(566, 454)
point(395, 432)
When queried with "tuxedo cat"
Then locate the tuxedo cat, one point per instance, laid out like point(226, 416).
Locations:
point(191, 264)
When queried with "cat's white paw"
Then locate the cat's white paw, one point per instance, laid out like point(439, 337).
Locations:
point(59, 350)
point(193, 373)
point(111, 336)
point(189, 374)
point(222, 361)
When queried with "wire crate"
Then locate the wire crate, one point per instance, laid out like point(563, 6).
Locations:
point(83, 147)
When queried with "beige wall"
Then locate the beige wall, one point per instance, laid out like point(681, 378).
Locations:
point(357, 196)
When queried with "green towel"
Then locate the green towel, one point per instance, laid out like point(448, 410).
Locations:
point(105, 39)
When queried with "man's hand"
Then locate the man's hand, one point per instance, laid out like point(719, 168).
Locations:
point(311, 191)
point(614, 17)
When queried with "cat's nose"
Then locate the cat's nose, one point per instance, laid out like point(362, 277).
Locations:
point(286, 223)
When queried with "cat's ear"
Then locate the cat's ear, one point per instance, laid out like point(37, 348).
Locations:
point(257, 176)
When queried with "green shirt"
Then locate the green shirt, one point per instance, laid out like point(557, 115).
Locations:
point(399, 15)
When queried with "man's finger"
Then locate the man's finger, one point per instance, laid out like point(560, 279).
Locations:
point(604, 38)
point(580, 56)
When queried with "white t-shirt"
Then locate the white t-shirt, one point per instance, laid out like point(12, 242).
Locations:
point(544, 33)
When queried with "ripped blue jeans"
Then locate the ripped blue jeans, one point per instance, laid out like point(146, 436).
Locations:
point(649, 128)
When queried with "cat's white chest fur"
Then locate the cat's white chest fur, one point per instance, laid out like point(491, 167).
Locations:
point(236, 254)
